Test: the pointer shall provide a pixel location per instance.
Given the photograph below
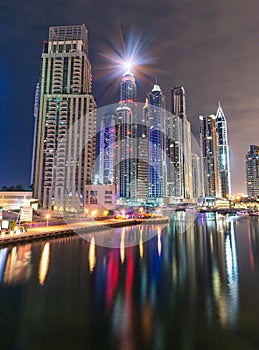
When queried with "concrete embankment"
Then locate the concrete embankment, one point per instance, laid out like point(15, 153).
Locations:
point(52, 232)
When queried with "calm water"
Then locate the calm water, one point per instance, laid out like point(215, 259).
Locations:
point(194, 289)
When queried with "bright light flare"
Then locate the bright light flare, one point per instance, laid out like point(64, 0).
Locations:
point(129, 52)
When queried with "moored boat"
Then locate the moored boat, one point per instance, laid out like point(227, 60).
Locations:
point(242, 213)
point(254, 213)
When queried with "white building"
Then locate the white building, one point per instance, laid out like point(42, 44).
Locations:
point(98, 199)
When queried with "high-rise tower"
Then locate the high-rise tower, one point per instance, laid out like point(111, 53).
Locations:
point(107, 142)
point(125, 172)
point(128, 88)
point(65, 148)
point(196, 176)
point(143, 155)
point(157, 179)
point(181, 136)
point(35, 114)
point(209, 156)
point(223, 153)
point(252, 171)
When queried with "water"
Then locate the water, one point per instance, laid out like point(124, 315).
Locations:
point(194, 289)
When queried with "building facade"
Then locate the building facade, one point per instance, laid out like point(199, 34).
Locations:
point(157, 172)
point(107, 142)
point(252, 171)
point(35, 135)
point(209, 157)
point(180, 130)
point(143, 156)
point(223, 153)
point(66, 127)
point(196, 176)
point(125, 157)
point(99, 199)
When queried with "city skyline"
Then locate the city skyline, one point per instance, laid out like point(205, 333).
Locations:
point(221, 67)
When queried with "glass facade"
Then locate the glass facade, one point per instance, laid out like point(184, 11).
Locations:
point(252, 171)
point(223, 153)
point(209, 156)
point(157, 144)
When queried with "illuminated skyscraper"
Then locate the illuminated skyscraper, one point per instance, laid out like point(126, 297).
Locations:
point(128, 88)
point(223, 153)
point(125, 162)
point(65, 147)
point(157, 178)
point(209, 156)
point(35, 114)
point(142, 158)
point(106, 156)
point(252, 171)
point(181, 136)
point(196, 176)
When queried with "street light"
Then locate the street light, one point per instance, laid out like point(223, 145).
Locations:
point(47, 217)
point(94, 212)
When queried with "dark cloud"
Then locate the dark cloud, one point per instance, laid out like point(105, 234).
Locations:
point(210, 47)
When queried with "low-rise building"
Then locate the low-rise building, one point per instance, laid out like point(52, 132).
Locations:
point(14, 200)
point(99, 199)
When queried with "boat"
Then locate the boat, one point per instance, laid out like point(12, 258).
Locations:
point(254, 213)
point(242, 213)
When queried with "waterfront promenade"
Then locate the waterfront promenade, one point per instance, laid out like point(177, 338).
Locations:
point(72, 228)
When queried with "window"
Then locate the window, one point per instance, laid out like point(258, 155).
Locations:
point(93, 197)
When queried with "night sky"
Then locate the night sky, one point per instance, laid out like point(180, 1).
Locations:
point(209, 47)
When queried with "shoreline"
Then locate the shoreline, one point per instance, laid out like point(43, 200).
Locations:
point(60, 231)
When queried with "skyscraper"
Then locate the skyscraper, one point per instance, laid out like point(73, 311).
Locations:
point(223, 153)
point(65, 148)
point(252, 171)
point(142, 157)
point(157, 174)
point(209, 156)
point(181, 136)
point(35, 114)
point(196, 176)
point(125, 172)
point(107, 142)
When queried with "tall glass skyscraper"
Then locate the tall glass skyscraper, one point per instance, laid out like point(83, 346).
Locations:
point(209, 156)
point(107, 142)
point(181, 136)
point(143, 156)
point(196, 176)
point(157, 175)
point(66, 126)
point(252, 171)
point(125, 173)
point(223, 153)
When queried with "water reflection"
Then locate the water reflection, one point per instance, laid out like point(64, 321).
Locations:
point(253, 241)
point(3, 257)
point(44, 263)
point(141, 245)
point(122, 245)
point(232, 277)
point(171, 291)
point(159, 244)
point(91, 255)
point(18, 265)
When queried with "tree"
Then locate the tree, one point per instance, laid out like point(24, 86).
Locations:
point(13, 188)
